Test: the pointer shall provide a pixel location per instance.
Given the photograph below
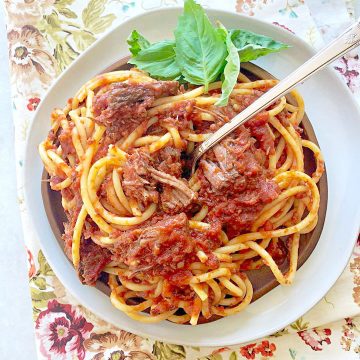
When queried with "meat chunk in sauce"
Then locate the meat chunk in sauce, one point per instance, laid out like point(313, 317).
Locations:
point(137, 181)
point(121, 106)
point(141, 180)
point(174, 200)
point(169, 161)
point(178, 116)
point(165, 247)
point(177, 195)
point(164, 244)
point(234, 182)
point(93, 259)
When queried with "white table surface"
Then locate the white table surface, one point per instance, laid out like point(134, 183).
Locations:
point(16, 325)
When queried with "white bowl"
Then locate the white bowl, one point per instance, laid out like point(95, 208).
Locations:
point(335, 118)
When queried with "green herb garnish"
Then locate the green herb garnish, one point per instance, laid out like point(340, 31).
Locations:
point(231, 70)
point(159, 60)
point(251, 46)
point(137, 42)
point(199, 46)
point(201, 53)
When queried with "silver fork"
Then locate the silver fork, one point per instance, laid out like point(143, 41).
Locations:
point(346, 42)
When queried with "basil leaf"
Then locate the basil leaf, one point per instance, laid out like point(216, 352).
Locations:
point(137, 42)
point(251, 45)
point(158, 60)
point(231, 70)
point(200, 49)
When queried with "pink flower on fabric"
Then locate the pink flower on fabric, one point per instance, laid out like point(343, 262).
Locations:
point(248, 7)
point(266, 348)
point(283, 26)
point(349, 67)
point(315, 338)
point(33, 103)
point(62, 330)
point(31, 264)
point(220, 350)
point(248, 351)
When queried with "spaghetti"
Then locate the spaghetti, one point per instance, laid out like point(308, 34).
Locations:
point(175, 247)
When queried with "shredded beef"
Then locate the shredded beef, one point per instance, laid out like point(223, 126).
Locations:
point(238, 212)
point(143, 182)
point(163, 306)
point(176, 195)
point(137, 181)
point(234, 182)
point(208, 239)
point(93, 259)
point(261, 132)
point(159, 247)
point(121, 107)
point(173, 200)
point(168, 160)
point(178, 116)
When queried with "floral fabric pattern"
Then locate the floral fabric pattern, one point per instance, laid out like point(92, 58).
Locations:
point(32, 67)
point(44, 37)
point(315, 338)
point(265, 348)
point(120, 345)
point(61, 331)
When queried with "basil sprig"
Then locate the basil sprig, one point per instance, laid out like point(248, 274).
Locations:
point(231, 70)
point(159, 60)
point(199, 47)
point(201, 53)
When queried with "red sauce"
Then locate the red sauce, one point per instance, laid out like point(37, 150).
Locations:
point(92, 261)
point(121, 107)
point(66, 143)
point(277, 251)
point(234, 182)
point(235, 185)
point(156, 249)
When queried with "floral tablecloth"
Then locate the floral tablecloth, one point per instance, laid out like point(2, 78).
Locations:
point(45, 36)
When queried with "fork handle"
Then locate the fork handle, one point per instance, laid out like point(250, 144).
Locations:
point(349, 40)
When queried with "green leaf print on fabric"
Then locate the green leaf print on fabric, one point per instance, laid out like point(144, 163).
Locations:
point(64, 54)
point(163, 351)
point(280, 333)
point(40, 290)
point(83, 39)
point(289, 7)
point(44, 267)
point(233, 356)
point(60, 4)
point(93, 19)
point(53, 21)
point(68, 13)
point(40, 282)
point(40, 299)
point(40, 296)
point(196, 348)
point(62, 7)
point(300, 325)
point(68, 34)
point(292, 353)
